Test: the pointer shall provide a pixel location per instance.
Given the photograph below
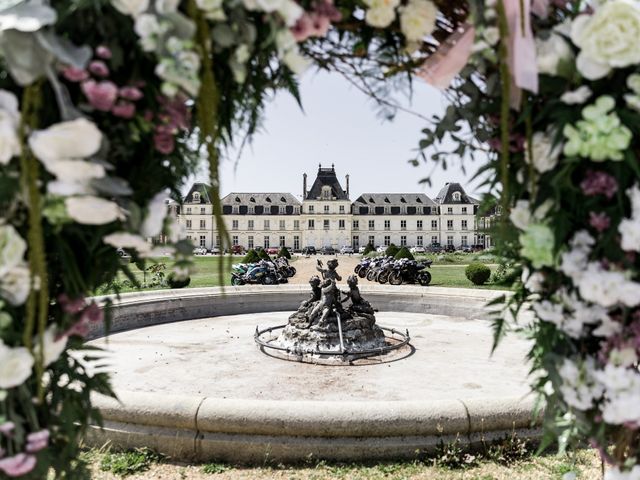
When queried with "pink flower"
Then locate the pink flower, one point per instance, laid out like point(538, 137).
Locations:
point(93, 313)
point(124, 110)
point(303, 28)
point(130, 93)
point(7, 428)
point(99, 68)
point(449, 59)
point(101, 95)
point(37, 441)
point(103, 52)
point(75, 74)
point(71, 306)
point(175, 112)
point(599, 221)
point(18, 465)
point(321, 24)
point(328, 9)
point(163, 142)
point(80, 328)
point(599, 183)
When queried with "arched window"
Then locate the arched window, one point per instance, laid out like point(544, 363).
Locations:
point(456, 196)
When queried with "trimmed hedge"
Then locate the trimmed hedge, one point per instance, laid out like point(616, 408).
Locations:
point(251, 257)
point(391, 250)
point(263, 255)
point(284, 253)
point(478, 273)
point(173, 283)
point(368, 249)
point(404, 253)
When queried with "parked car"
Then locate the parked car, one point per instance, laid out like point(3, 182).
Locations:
point(449, 249)
point(273, 250)
point(309, 250)
point(362, 249)
point(435, 247)
point(199, 251)
point(215, 251)
point(417, 249)
point(237, 249)
point(381, 249)
point(328, 251)
point(466, 249)
point(346, 250)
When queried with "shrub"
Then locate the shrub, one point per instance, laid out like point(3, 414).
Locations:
point(173, 282)
point(251, 257)
point(284, 253)
point(477, 273)
point(127, 463)
point(404, 253)
point(391, 250)
point(369, 248)
point(263, 255)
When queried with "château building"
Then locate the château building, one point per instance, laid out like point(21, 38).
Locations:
point(328, 217)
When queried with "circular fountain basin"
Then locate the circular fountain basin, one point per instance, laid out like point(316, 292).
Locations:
point(192, 383)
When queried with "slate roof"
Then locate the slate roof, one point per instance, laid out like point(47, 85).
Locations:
point(326, 176)
point(406, 199)
point(201, 188)
point(446, 195)
point(269, 198)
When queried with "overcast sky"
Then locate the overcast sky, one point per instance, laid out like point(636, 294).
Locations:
point(338, 125)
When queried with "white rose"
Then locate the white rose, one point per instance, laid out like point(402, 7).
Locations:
point(9, 108)
point(12, 248)
point(296, 62)
point(157, 211)
point(167, 6)
point(545, 156)
point(630, 234)
point(15, 365)
point(418, 19)
point(623, 356)
point(132, 8)
point(189, 60)
point(52, 347)
point(520, 215)
point(9, 142)
point(75, 139)
point(608, 38)
point(147, 25)
point(75, 170)
point(15, 285)
point(290, 11)
point(491, 35)
point(127, 240)
point(90, 210)
point(285, 41)
point(577, 96)
point(552, 53)
point(380, 17)
point(67, 189)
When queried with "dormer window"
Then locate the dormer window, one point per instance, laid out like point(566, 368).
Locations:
point(252, 199)
point(196, 197)
point(456, 196)
point(371, 200)
point(283, 200)
point(403, 200)
point(386, 200)
point(268, 199)
point(418, 200)
point(326, 192)
point(238, 199)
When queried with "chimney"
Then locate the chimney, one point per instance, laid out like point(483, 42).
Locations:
point(304, 186)
point(347, 178)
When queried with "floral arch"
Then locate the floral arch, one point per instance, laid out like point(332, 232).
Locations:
point(107, 105)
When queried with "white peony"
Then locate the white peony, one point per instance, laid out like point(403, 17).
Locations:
point(157, 211)
point(166, 6)
point(147, 25)
point(577, 96)
point(128, 240)
point(75, 139)
point(296, 62)
point(66, 189)
point(9, 122)
point(608, 38)
point(52, 346)
point(132, 8)
point(417, 19)
point(380, 17)
point(520, 215)
point(290, 11)
point(622, 394)
point(78, 171)
point(15, 365)
point(12, 248)
point(629, 229)
point(545, 155)
point(624, 357)
point(15, 285)
point(553, 53)
point(90, 210)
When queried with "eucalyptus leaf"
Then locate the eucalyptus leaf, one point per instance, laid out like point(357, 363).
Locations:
point(183, 27)
point(26, 16)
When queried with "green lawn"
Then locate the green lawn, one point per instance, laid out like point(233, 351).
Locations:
point(453, 276)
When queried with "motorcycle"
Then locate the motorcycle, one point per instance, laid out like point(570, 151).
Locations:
point(410, 271)
point(263, 273)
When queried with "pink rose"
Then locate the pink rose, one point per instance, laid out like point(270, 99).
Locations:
point(7, 428)
point(93, 313)
point(599, 183)
point(303, 28)
point(124, 110)
point(18, 465)
point(101, 95)
point(599, 221)
point(103, 52)
point(99, 68)
point(130, 93)
point(37, 441)
point(80, 329)
point(164, 142)
point(74, 74)
point(321, 24)
point(71, 306)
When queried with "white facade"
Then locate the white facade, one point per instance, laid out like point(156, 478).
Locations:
point(327, 217)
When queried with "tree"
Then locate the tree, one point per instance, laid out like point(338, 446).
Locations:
point(391, 250)
point(251, 257)
point(404, 253)
point(284, 252)
point(263, 255)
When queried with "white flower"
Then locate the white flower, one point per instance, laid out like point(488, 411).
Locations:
point(381, 13)
point(9, 122)
point(608, 38)
point(552, 54)
point(623, 357)
point(167, 6)
point(582, 240)
point(290, 11)
point(577, 96)
point(520, 215)
point(66, 189)
point(607, 328)
point(12, 248)
point(574, 263)
point(208, 5)
point(622, 394)
point(297, 62)
point(127, 240)
point(132, 8)
point(15, 285)
point(533, 281)
point(176, 231)
point(189, 60)
point(147, 25)
point(579, 385)
point(608, 288)
point(549, 312)
point(263, 5)
point(78, 171)
point(545, 155)
point(630, 234)
point(90, 210)
point(52, 347)
point(491, 35)
point(614, 473)
point(157, 211)
point(75, 139)
point(15, 365)
point(417, 19)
